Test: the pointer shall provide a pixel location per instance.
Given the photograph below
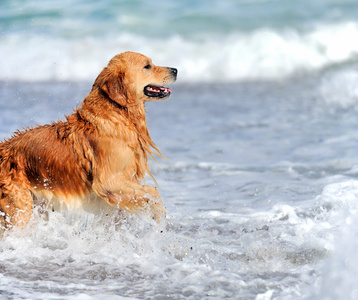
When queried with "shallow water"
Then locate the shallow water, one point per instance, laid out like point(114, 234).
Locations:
point(261, 195)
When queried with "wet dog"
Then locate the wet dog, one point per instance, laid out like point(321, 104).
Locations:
point(100, 151)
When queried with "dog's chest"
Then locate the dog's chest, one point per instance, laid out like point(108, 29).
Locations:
point(117, 156)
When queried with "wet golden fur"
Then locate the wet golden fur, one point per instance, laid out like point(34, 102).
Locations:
point(101, 149)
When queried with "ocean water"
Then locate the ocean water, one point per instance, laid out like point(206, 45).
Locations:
point(208, 40)
point(261, 186)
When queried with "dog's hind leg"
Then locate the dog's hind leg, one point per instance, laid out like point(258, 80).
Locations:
point(16, 206)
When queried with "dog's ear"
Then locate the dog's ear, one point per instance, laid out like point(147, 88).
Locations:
point(112, 85)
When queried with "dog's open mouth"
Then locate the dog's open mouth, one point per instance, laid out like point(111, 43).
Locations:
point(156, 91)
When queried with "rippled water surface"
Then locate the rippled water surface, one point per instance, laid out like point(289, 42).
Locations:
point(261, 195)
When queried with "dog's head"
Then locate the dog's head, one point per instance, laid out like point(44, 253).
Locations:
point(131, 77)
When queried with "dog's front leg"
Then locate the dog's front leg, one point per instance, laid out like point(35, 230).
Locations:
point(131, 196)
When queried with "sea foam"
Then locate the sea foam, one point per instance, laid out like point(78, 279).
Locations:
point(262, 54)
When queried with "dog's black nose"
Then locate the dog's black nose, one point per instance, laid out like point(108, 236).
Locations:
point(174, 71)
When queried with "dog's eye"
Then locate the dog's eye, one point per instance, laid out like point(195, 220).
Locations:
point(148, 67)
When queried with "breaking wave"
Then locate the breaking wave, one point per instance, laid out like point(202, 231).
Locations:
point(263, 54)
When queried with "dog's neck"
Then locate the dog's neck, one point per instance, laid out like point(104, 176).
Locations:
point(106, 117)
point(105, 114)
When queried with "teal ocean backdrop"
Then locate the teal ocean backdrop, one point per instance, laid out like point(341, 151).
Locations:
point(208, 40)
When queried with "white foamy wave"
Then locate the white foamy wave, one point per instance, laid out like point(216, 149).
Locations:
point(340, 88)
point(69, 257)
point(262, 54)
point(340, 271)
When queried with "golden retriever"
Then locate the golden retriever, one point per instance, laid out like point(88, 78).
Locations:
point(101, 149)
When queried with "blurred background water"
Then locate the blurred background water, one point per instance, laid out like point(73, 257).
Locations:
point(261, 131)
point(217, 40)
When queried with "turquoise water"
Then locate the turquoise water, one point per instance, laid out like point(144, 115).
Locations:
point(163, 19)
point(206, 40)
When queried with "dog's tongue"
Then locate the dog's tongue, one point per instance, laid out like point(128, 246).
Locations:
point(157, 89)
point(166, 90)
